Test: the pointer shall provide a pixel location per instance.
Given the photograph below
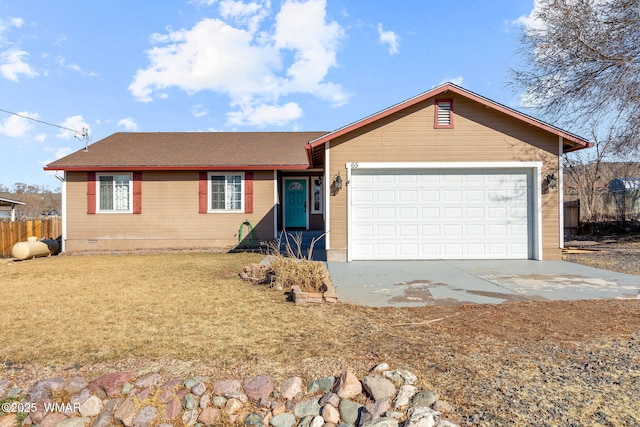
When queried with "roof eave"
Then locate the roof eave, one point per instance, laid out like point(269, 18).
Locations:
point(86, 168)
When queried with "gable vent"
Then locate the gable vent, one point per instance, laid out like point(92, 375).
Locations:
point(443, 114)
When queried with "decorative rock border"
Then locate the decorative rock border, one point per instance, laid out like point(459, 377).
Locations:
point(383, 398)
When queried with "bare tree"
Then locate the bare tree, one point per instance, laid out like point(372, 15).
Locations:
point(582, 65)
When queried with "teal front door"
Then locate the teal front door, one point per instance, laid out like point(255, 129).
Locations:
point(295, 203)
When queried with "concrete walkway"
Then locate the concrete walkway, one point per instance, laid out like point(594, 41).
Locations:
point(420, 283)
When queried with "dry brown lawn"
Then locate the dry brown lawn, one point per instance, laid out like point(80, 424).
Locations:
point(190, 313)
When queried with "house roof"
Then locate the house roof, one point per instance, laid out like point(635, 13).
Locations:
point(192, 151)
point(571, 142)
point(9, 202)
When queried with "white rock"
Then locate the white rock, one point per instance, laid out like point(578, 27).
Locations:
point(381, 367)
point(405, 393)
point(91, 407)
point(401, 377)
point(421, 416)
point(317, 421)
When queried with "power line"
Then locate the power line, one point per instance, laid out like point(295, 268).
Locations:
point(82, 135)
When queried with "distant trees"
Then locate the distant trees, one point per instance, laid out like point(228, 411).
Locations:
point(39, 200)
point(581, 70)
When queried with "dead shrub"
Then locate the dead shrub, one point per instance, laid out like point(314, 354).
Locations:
point(308, 274)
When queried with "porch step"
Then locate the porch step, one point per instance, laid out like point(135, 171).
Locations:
point(302, 240)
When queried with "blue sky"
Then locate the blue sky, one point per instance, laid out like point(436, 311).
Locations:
point(225, 65)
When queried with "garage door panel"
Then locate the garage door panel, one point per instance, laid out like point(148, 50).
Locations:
point(441, 214)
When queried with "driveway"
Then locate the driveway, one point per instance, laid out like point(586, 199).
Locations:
point(420, 283)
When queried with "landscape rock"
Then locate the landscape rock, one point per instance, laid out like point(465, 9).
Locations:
point(126, 411)
point(190, 417)
point(253, 420)
point(420, 416)
point(305, 408)
point(373, 411)
point(210, 416)
point(174, 407)
point(4, 386)
point(258, 387)
point(285, 419)
point(378, 388)
point(189, 402)
point(52, 419)
point(321, 384)
point(205, 400)
point(146, 416)
point(349, 411)
point(148, 380)
point(330, 399)
point(317, 421)
point(347, 385)
point(424, 398)
point(74, 422)
point(52, 384)
point(404, 396)
point(291, 387)
point(91, 407)
point(36, 393)
point(225, 386)
point(382, 422)
point(381, 367)
point(401, 377)
point(199, 389)
point(111, 384)
point(219, 401)
point(232, 406)
point(75, 384)
point(330, 414)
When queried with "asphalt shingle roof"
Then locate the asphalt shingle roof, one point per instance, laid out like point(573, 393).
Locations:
point(192, 150)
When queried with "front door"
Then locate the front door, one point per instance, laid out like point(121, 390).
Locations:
point(295, 203)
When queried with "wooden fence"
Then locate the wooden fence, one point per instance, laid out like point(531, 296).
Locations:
point(571, 217)
point(18, 231)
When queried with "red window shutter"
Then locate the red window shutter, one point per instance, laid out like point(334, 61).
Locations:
point(202, 193)
point(91, 192)
point(248, 192)
point(137, 192)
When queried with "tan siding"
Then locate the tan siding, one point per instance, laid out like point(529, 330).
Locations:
point(169, 218)
point(481, 134)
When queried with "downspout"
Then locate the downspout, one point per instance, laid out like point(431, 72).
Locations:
point(63, 239)
point(560, 193)
point(327, 197)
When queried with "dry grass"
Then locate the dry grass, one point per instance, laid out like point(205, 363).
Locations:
point(191, 312)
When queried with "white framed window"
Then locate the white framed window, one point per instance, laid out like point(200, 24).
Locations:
point(226, 192)
point(317, 205)
point(114, 193)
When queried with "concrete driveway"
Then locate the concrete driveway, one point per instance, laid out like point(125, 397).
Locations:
point(420, 283)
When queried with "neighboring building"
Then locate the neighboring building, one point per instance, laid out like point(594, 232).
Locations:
point(8, 208)
point(447, 174)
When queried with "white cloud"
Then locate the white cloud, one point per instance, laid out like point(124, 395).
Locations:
point(263, 115)
point(389, 38)
point(254, 67)
point(199, 110)
point(129, 124)
point(17, 127)
point(203, 2)
point(77, 124)
point(12, 65)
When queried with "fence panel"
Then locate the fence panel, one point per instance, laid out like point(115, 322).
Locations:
point(571, 217)
point(18, 231)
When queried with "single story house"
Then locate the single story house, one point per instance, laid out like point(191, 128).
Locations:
point(447, 174)
point(8, 208)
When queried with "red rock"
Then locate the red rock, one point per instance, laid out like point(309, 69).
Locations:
point(347, 386)
point(111, 384)
point(174, 407)
point(258, 387)
point(52, 419)
point(223, 387)
point(209, 416)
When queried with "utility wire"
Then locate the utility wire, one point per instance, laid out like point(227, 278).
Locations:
point(82, 135)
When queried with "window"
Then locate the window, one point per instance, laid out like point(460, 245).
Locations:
point(443, 117)
point(316, 196)
point(226, 191)
point(114, 193)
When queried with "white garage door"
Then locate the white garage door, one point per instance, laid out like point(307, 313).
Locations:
point(441, 214)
